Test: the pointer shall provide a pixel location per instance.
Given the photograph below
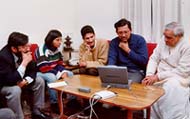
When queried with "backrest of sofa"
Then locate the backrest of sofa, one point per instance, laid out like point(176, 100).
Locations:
point(33, 48)
point(151, 47)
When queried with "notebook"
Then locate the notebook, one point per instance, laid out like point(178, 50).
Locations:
point(115, 76)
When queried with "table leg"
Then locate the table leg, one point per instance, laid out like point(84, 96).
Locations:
point(129, 114)
point(148, 113)
point(60, 102)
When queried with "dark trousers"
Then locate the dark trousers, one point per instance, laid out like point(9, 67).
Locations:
point(89, 71)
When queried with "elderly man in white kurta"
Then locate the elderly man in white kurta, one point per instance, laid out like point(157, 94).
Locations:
point(169, 66)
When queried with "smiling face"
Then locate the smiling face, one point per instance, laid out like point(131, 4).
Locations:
point(123, 33)
point(171, 39)
point(89, 39)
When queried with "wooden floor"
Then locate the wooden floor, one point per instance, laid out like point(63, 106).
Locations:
point(111, 113)
point(102, 113)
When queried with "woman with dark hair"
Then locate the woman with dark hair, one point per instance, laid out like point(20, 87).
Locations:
point(50, 63)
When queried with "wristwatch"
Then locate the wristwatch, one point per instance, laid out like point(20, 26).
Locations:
point(29, 79)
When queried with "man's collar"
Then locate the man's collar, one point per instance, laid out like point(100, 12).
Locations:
point(15, 57)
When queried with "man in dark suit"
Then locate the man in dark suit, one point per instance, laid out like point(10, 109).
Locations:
point(17, 73)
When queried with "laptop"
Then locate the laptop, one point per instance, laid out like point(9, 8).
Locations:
point(114, 76)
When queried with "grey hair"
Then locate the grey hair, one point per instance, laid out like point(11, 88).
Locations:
point(176, 28)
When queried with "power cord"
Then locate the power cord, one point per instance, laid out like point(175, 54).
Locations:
point(108, 87)
point(92, 102)
point(95, 97)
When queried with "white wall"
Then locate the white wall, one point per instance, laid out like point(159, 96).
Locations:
point(37, 17)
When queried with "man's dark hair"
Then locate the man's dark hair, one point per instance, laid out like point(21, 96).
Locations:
point(86, 29)
point(17, 39)
point(52, 35)
point(122, 22)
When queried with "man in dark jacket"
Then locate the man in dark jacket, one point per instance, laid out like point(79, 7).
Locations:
point(128, 50)
point(17, 73)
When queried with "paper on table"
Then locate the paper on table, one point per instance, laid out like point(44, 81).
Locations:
point(57, 84)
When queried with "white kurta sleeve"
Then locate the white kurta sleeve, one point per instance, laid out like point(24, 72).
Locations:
point(153, 61)
point(182, 68)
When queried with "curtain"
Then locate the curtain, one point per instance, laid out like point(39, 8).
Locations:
point(164, 12)
point(148, 17)
point(139, 13)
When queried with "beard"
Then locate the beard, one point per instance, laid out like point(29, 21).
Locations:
point(19, 55)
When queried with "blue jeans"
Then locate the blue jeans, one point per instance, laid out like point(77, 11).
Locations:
point(49, 78)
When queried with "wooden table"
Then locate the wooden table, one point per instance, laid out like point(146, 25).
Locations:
point(138, 98)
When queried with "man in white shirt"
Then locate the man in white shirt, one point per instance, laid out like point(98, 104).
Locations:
point(169, 66)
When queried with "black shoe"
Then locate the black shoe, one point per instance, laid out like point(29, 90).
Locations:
point(55, 108)
point(41, 116)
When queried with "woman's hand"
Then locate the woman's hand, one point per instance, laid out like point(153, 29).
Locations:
point(64, 75)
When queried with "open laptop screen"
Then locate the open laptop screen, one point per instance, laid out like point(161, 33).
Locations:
point(115, 76)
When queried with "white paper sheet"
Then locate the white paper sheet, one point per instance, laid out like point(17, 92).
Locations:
point(57, 84)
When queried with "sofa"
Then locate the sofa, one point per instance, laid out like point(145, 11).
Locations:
point(150, 47)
